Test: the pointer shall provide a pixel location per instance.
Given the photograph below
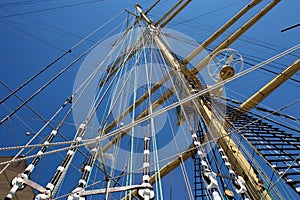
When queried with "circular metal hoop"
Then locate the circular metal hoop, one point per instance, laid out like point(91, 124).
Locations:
point(224, 64)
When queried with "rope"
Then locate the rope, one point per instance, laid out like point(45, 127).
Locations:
point(193, 96)
point(97, 138)
point(249, 154)
point(55, 77)
point(41, 89)
point(152, 127)
point(81, 133)
point(183, 169)
point(245, 55)
point(37, 134)
point(57, 59)
point(44, 154)
point(47, 9)
point(278, 122)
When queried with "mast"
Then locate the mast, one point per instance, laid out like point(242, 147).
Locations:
point(270, 87)
point(218, 131)
point(234, 36)
point(237, 164)
point(204, 62)
point(220, 31)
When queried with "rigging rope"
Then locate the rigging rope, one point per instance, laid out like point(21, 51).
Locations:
point(247, 57)
point(56, 151)
point(179, 104)
point(273, 112)
point(49, 82)
point(193, 96)
point(58, 179)
point(159, 190)
point(60, 57)
point(247, 152)
point(53, 8)
point(92, 111)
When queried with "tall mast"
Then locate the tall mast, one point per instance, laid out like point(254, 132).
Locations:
point(218, 131)
point(236, 162)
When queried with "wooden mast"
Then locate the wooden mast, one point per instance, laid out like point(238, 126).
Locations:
point(233, 37)
point(242, 165)
point(226, 142)
point(270, 87)
point(220, 31)
point(190, 73)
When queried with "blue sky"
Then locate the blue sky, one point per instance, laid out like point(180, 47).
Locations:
point(29, 42)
